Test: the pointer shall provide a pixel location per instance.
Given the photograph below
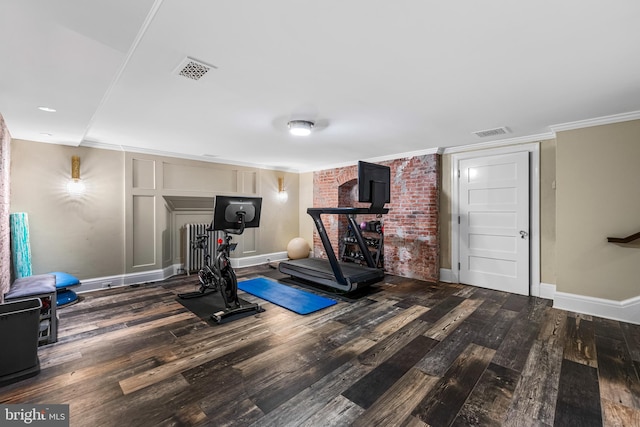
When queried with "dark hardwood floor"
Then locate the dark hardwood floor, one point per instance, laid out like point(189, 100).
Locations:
point(406, 353)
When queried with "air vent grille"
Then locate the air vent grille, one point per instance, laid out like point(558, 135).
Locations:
point(491, 132)
point(193, 69)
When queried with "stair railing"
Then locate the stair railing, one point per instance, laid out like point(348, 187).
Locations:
point(627, 239)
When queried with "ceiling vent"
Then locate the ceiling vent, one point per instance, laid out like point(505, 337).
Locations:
point(491, 132)
point(193, 69)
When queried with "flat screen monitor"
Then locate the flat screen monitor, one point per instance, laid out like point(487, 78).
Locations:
point(229, 212)
point(374, 184)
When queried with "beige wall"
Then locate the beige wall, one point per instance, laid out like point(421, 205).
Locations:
point(123, 223)
point(82, 236)
point(153, 226)
point(548, 211)
point(307, 226)
point(445, 212)
point(598, 196)
point(280, 219)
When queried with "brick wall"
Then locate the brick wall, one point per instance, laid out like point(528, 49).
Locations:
point(411, 228)
point(5, 250)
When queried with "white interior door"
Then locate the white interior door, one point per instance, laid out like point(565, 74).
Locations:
point(494, 222)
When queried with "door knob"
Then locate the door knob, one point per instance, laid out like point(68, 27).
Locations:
point(523, 234)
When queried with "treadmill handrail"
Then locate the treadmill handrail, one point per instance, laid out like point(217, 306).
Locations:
point(346, 210)
point(331, 255)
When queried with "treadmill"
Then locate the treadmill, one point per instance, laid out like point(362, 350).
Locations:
point(330, 272)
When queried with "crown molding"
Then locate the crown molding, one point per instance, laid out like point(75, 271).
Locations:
point(598, 121)
point(407, 154)
point(500, 143)
point(152, 152)
point(616, 118)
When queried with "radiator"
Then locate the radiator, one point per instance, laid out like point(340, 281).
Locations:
point(194, 257)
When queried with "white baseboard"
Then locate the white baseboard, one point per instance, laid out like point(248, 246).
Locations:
point(541, 290)
point(625, 311)
point(127, 279)
point(547, 291)
point(258, 259)
point(446, 275)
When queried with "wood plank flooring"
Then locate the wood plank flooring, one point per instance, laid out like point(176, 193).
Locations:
point(405, 353)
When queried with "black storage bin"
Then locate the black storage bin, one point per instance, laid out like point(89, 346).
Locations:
point(19, 330)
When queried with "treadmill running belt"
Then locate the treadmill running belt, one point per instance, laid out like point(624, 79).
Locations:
point(319, 270)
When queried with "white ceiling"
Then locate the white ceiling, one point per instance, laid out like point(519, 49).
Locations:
point(379, 78)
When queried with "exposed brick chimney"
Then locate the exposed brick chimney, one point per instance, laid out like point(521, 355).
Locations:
point(412, 238)
point(5, 249)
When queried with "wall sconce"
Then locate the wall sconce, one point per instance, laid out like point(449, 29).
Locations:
point(282, 194)
point(75, 186)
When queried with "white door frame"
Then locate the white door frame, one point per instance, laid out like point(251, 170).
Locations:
point(534, 206)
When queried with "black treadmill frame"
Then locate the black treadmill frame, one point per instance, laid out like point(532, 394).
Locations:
point(341, 281)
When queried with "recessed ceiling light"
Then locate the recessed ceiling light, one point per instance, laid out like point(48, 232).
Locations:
point(47, 109)
point(300, 127)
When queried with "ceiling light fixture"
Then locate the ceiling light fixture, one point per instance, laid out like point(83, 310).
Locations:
point(47, 109)
point(300, 127)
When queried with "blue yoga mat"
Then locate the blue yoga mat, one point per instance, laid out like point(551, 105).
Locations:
point(293, 299)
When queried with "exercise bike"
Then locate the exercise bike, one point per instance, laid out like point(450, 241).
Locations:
point(208, 280)
point(219, 275)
